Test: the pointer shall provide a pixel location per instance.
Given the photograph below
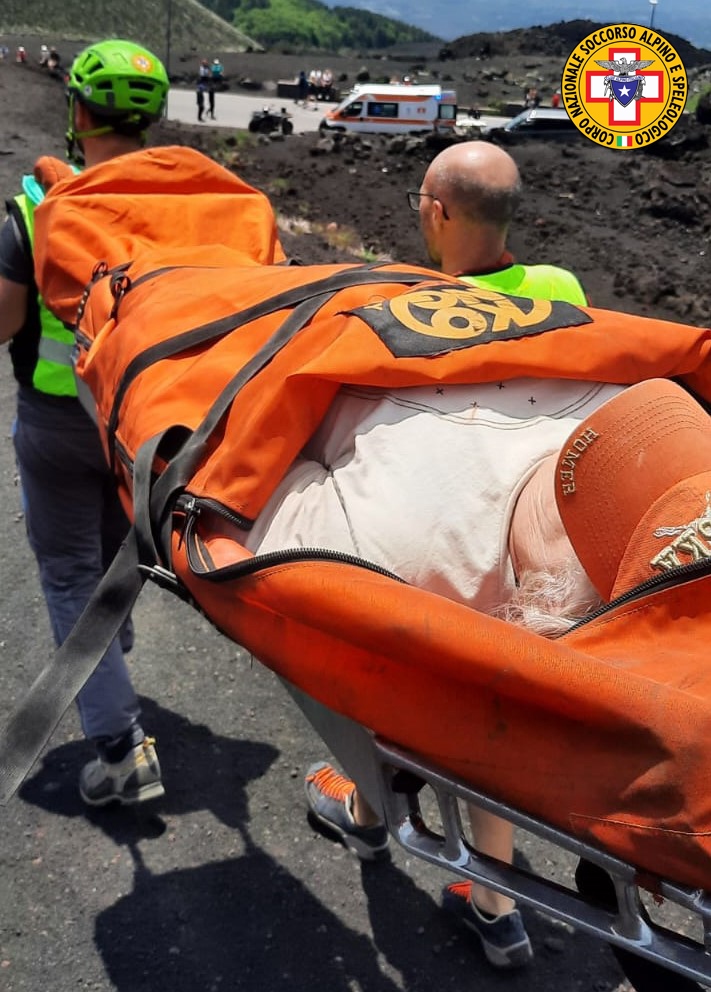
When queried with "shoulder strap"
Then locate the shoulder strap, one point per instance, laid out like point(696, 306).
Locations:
point(17, 216)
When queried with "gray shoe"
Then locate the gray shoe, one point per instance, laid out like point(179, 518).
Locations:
point(330, 797)
point(503, 938)
point(134, 779)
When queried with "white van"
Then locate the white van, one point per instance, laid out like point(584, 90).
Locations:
point(389, 108)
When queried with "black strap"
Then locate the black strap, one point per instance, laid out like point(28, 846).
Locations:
point(147, 547)
point(180, 469)
point(215, 329)
point(142, 554)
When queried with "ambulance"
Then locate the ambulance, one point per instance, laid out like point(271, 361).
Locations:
point(389, 108)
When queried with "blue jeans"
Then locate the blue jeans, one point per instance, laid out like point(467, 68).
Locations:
point(75, 525)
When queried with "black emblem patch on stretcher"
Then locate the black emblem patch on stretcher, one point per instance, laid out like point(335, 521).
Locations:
point(439, 319)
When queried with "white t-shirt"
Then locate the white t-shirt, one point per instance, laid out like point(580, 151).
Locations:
point(423, 481)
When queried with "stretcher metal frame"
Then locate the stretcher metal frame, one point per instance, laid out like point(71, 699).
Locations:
point(392, 780)
point(628, 926)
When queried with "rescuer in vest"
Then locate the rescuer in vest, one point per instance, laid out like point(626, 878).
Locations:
point(74, 519)
point(466, 203)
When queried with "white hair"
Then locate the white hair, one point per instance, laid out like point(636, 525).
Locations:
point(550, 602)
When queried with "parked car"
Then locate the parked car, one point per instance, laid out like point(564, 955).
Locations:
point(551, 123)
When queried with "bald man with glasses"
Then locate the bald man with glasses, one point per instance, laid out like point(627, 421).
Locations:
point(466, 204)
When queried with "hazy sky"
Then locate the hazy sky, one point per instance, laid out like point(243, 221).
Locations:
point(449, 19)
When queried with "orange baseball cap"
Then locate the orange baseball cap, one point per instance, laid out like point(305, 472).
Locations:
point(633, 486)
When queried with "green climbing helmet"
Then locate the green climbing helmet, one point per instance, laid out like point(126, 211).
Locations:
point(119, 79)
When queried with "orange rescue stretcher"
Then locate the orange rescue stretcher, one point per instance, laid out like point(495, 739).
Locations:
point(208, 375)
point(598, 741)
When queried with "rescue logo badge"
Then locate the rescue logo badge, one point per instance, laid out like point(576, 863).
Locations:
point(624, 86)
point(142, 62)
point(444, 318)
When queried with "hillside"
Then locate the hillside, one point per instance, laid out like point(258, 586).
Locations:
point(312, 25)
point(556, 40)
point(293, 25)
point(192, 26)
point(585, 206)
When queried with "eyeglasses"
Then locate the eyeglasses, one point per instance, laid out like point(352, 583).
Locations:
point(413, 201)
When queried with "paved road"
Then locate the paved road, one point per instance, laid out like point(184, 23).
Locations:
point(235, 109)
point(223, 885)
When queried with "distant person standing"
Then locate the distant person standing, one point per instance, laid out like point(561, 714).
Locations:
point(217, 71)
point(555, 99)
point(532, 98)
point(201, 88)
point(302, 89)
point(204, 69)
point(327, 84)
point(211, 90)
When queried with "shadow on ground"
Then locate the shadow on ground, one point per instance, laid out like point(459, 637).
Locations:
point(248, 923)
point(201, 771)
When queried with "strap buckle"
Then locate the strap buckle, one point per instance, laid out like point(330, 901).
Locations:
point(162, 577)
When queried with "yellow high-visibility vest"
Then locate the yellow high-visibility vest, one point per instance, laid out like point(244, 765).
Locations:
point(53, 372)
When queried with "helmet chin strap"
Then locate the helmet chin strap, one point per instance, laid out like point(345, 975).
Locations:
point(75, 152)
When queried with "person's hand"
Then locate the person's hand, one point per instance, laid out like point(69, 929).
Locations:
point(48, 171)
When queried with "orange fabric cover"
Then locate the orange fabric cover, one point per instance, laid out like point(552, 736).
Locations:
point(115, 211)
point(332, 349)
point(605, 733)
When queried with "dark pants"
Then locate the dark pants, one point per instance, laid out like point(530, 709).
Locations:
point(75, 525)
